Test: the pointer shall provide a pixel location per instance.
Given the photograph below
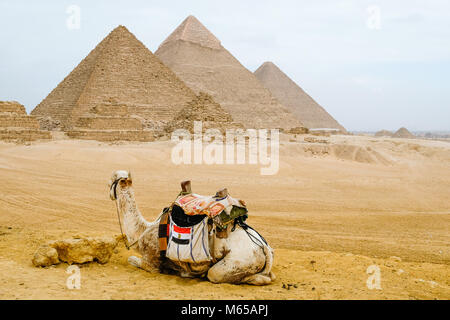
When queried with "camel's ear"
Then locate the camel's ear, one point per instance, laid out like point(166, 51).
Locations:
point(129, 175)
point(222, 193)
point(186, 186)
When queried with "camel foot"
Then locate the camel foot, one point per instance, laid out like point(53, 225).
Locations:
point(185, 274)
point(135, 261)
point(272, 276)
point(257, 280)
point(142, 264)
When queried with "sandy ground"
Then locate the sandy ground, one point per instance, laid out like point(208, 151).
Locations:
point(328, 215)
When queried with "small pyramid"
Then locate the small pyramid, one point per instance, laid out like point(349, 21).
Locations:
point(16, 125)
point(384, 133)
point(198, 58)
point(308, 111)
point(403, 133)
point(123, 79)
point(203, 108)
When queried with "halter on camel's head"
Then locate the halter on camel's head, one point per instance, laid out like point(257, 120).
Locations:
point(121, 177)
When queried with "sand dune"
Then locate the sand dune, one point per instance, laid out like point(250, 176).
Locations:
point(357, 203)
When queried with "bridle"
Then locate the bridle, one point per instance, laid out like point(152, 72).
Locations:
point(114, 189)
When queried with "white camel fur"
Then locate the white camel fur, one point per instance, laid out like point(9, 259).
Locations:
point(236, 259)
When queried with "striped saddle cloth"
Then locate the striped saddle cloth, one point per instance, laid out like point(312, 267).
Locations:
point(184, 232)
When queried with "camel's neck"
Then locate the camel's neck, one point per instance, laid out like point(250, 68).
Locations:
point(134, 223)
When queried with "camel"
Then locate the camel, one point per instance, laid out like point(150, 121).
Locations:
point(237, 259)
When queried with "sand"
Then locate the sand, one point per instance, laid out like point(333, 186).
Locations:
point(328, 215)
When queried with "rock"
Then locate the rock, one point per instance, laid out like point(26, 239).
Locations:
point(396, 259)
point(85, 250)
point(45, 256)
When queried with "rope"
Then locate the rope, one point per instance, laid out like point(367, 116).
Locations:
point(245, 226)
point(114, 185)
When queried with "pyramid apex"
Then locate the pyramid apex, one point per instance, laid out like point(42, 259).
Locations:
point(268, 63)
point(267, 66)
point(192, 30)
point(120, 28)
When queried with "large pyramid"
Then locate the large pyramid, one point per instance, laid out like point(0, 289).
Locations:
point(119, 86)
point(295, 99)
point(200, 60)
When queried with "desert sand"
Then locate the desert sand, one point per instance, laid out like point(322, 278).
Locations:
point(337, 206)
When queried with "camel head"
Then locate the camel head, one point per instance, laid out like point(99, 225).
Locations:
point(119, 179)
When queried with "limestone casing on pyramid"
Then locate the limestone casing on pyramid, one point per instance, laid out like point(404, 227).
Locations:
point(199, 59)
point(294, 98)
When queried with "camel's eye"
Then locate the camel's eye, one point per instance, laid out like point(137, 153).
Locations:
point(129, 183)
point(123, 183)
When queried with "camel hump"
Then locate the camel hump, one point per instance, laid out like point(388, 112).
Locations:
point(222, 193)
point(186, 186)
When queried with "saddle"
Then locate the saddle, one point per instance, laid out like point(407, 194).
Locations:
point(183, 228)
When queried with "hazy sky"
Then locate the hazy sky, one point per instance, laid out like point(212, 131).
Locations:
point(371, 64)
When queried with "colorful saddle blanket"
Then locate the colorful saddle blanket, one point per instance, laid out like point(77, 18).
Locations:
point(187, 242)
point(222, 210)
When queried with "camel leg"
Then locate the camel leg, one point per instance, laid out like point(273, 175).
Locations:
point(223, 272)
point(257, 280)
point(141, 264)
point(232, 269)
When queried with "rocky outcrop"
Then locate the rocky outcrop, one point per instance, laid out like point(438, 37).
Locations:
point(45, 256)
point(75, 251)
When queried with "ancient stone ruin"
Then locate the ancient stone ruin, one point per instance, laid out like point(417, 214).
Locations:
point(200, 60)
point(384, 133)
point(308, 111)
point(206, 110)
point(120, 91)
point(17, 126)
point(403, 133)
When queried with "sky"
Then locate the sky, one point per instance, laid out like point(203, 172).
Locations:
point(371, 64)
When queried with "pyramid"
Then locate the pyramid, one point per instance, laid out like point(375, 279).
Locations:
point(295, 99)
point(200, 60)
point(384, 133)
point(119, 90)
point(16, 125)
point(403, 133)
point(206, 110)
